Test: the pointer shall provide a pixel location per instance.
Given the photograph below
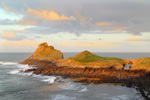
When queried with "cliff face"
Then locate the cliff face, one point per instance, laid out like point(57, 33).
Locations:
point(45, 52)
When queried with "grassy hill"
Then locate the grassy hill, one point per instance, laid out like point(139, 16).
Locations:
point(87, 56)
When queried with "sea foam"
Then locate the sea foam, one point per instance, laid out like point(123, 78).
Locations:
point(8, 63)
point(21, 68)
point(49, 79)
point(63, 97)
point(69, 85)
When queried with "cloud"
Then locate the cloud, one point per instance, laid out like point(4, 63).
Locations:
point(27, 21)
point(99, 39)
point(22, 43)
point(134, 38)
point(48, 15)
point(7, 22)
point(112, 15)
point(137, 39)
point(8, 35)
point(78, 39)
point(12, 36)
point(102, 24)
point(90, 44)
point(82, 19)
point(119, 28)
point(6, 8)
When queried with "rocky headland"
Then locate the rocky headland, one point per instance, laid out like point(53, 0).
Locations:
point(89, 68)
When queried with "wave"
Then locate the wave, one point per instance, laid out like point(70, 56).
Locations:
point(49, 79)
point(84, 89)
point(62, 97)
point(69, 85)
point(8, 63)
point(120, 97)
point(20, 69)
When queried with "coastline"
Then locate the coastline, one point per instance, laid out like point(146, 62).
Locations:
point(88, 68)
point(136, 79)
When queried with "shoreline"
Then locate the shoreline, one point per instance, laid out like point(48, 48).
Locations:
point(137, 79)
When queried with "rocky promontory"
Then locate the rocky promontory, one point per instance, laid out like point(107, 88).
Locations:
point(90, 68)
point(45, 52)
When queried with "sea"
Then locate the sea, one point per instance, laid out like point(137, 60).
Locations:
point(17, 85)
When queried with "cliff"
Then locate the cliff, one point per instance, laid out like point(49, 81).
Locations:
point(45, 52)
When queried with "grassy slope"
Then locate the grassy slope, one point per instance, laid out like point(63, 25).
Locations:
point(143, 62)
point(86, 56)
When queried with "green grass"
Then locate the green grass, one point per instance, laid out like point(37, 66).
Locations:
point(86, 56)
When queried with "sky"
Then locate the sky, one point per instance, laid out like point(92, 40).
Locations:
point(75, 25)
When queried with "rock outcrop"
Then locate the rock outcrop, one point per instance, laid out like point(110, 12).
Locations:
point(45, 52)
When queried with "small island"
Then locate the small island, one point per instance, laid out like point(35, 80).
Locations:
point(89, 68)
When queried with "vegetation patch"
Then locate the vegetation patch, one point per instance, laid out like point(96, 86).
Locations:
point(87, 56)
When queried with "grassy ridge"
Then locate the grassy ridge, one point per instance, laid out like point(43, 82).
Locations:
point(86, 56)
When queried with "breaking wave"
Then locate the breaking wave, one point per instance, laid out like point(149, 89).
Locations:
point(20, 68)
point(8, 63)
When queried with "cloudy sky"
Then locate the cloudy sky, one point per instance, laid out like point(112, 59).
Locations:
point(75, 25)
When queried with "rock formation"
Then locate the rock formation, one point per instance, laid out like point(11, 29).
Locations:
point(45, 52)
point(86, 59)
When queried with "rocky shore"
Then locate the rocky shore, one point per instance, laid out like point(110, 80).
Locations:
point(89, 68)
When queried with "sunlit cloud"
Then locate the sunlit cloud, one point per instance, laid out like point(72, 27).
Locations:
point(8, 35)
point(48, 15)
point(135, 38)
point(11, 36)
point(22, 43)
point(102, 24)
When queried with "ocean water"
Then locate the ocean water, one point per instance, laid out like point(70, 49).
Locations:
point(16, 85)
